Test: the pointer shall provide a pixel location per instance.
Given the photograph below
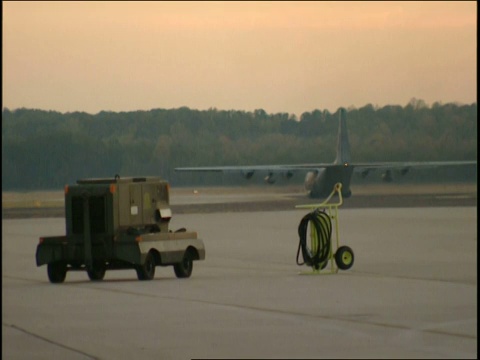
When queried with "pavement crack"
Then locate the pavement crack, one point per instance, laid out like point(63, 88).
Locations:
point(13, 326)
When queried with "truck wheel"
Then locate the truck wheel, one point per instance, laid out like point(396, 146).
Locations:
point(344, 257)
point(57, 272)
point(184, 268)
point(147, 270)
point(97, 273)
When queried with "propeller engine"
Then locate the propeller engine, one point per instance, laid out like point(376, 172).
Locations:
point(404, 171)
point(288, 175)
point(247, 174)
point(310, 179)
point(269, 179)
point(364, 173)
point(387, 176)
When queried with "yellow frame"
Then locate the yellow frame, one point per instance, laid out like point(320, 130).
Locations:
point(332, 210)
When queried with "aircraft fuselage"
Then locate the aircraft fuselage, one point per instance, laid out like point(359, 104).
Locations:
point(320, 183)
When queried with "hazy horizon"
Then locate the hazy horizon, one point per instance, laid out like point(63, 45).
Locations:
point(288, 57)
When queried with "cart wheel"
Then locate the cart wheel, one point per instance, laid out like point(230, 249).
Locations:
point(56, 272)
point(344, 257)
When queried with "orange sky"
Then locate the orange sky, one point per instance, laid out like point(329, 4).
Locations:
point(277, 56)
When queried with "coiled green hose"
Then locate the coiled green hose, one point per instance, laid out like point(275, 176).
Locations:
point(320, 239)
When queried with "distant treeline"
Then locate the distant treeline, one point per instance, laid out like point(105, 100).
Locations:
point(47, 149)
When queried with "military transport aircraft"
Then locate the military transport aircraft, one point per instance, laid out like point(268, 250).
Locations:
point(321, 177)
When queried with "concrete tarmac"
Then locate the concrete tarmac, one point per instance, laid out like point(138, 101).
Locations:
point(411, 293)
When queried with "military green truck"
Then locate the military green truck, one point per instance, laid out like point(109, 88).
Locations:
point(118, 223)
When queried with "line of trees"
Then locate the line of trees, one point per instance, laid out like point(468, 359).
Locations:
point(47, 149)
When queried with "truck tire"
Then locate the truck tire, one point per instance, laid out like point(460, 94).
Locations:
point(147, 270)
point(56, 272)
point(184, 268)
point(97, 273)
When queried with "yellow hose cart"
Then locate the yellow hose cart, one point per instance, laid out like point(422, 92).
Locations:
point(317, 248)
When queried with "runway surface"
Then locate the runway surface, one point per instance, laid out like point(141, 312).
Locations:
point(262, 198)
point(411, 293)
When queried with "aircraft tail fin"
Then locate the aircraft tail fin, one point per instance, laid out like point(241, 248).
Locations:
point(343, 145)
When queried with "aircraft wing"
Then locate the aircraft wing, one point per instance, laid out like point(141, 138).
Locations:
point(287, 171)
point(253, 168)
point(314, 166)
point(360, 167)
